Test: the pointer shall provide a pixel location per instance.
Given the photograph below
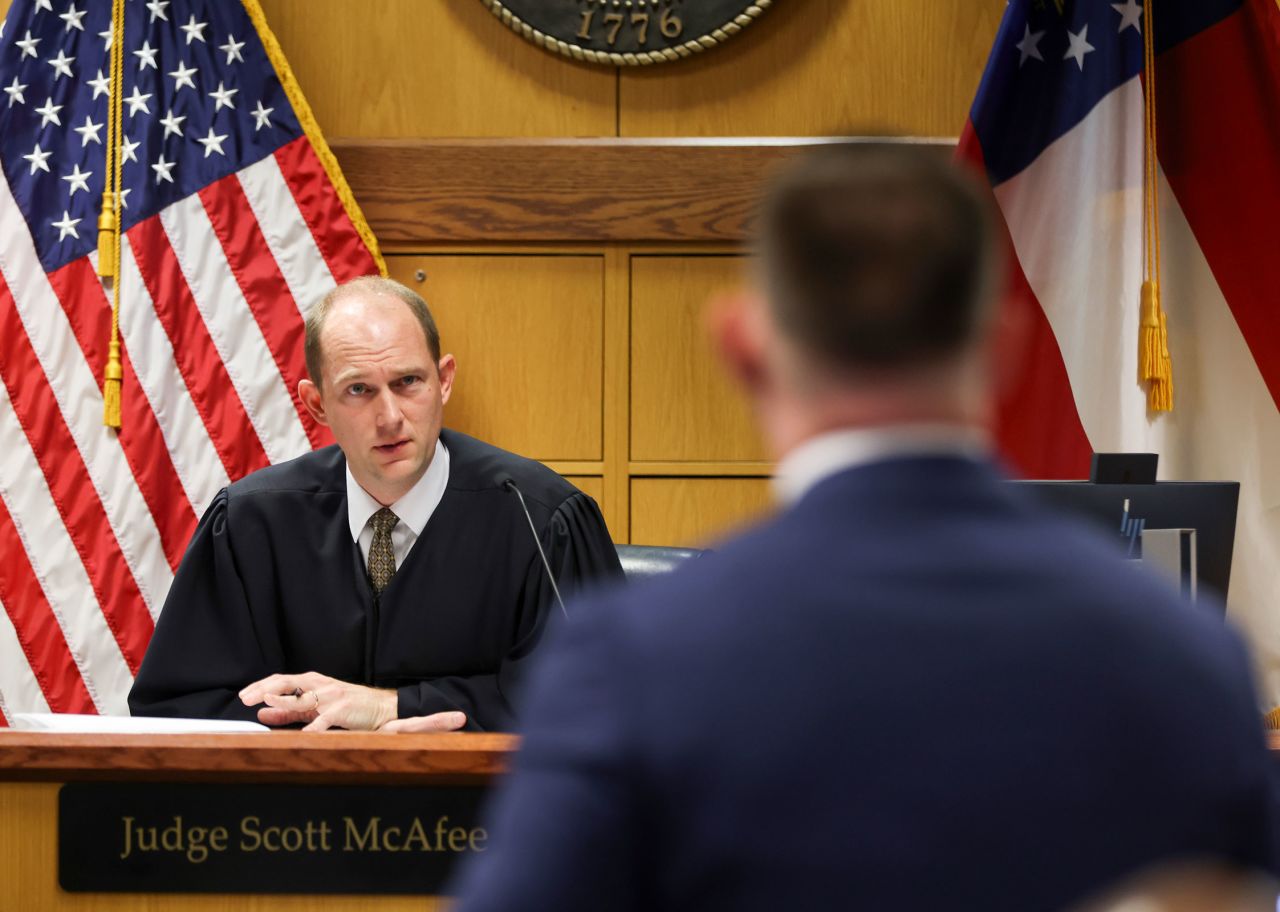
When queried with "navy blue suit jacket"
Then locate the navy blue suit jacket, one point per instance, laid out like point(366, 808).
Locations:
point(913, 690)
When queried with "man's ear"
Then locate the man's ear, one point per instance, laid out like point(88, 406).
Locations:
point(309, 393)
point(446, 368)
point(738, 325)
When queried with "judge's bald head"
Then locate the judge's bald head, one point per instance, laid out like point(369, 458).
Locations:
point(877, 256)
point(377, 384)
point(366, 286)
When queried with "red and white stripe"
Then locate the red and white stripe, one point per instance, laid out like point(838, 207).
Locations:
point(301, 264)
point(16, 677)
point(185, 437)
point(93, 523)
point(1074, 218)
point(49, 596)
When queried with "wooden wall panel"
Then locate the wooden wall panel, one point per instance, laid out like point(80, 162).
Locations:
point(528, 333)
point(482, 191)
point(434, 68)
point(591, 485)
point(683, 408)
point(817, 67)
point(694, 512)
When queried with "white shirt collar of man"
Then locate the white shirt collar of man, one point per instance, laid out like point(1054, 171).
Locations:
point(836, 451)
point(413, 510)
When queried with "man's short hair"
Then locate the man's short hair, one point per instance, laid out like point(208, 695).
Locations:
point(878, 255)
point(365, 285)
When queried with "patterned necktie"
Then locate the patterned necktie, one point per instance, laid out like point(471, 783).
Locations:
point(382, 559)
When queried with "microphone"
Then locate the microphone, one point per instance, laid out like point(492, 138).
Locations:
point(509, 484)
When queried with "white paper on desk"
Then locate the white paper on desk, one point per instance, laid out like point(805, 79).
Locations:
point(128, 725)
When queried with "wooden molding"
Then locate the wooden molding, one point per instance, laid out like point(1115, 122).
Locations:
point(296, 757)
point(724, 469)
point(565, 190)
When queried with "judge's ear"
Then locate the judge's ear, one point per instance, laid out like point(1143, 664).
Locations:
point(739, 327)
point(446, 368)
point(309, 393)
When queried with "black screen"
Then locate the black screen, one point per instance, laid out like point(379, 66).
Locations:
point(1209, 507)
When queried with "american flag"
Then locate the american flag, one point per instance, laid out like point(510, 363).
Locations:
point(235, 220)
point(1058, 126)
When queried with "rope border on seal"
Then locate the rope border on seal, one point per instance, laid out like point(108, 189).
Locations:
point(644, 58)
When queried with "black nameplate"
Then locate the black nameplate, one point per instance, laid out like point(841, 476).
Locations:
point(171, 838)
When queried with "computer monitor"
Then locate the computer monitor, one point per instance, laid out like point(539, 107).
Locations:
point(1209, 507)
point(1123, 468)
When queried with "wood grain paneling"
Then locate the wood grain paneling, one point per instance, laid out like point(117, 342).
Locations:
point(591, 485)
point(434, 68)
point(584, 190)
point(693, 512)
point(589, 190)
point(528, 333)
point(683, 407)
point(824, 67)
point(617, 391)
point(290, 756)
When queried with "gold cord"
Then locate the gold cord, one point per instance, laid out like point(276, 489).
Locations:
point(1155, 367)
point(109, 239)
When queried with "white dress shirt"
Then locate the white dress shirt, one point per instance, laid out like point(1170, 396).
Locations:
point(827, 454)
point(413, 510)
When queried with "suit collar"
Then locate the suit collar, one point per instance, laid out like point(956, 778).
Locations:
point(829, 454)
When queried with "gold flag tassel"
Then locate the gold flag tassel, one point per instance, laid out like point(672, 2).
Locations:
point(1155, 367)
point(109, 220)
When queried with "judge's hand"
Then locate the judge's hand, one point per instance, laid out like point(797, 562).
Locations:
point(436, 722)
point(320, 701)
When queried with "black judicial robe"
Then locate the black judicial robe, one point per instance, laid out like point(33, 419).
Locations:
point(273, 583)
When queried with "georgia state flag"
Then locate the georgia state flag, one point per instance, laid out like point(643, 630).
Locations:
point(1058, 128)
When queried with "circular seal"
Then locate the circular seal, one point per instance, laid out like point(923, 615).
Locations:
point(627, 32)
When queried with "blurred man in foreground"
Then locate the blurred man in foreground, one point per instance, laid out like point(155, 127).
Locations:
point(913, 689)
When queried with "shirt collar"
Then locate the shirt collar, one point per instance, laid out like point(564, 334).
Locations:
point(414, 509)
point(825, 455)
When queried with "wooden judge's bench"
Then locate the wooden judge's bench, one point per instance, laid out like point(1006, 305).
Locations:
point(325, 809)
point(318, 810)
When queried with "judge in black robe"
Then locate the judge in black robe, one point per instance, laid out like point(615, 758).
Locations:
point(273, 603)
point(273, 582)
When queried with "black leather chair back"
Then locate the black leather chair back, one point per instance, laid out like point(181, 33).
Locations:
point(641, 562)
